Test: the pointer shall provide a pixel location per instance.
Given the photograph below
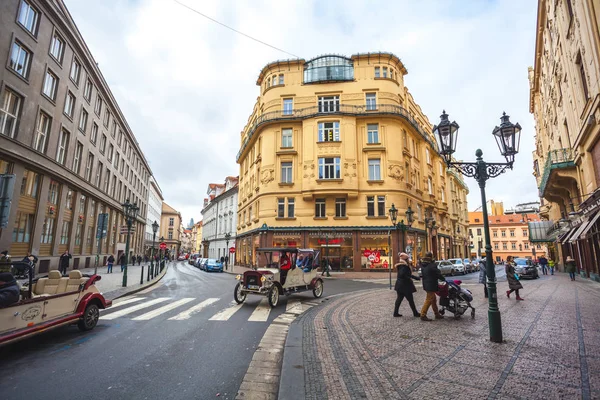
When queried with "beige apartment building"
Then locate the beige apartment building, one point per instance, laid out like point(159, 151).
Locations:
point(565, 101)
point(329, 146)
point(171, 229)
point(65, 140)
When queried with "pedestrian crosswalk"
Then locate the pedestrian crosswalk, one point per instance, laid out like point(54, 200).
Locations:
point(141, 308)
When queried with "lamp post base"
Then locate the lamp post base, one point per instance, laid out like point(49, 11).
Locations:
point(495, 325)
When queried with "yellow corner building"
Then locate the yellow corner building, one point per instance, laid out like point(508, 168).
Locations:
point(330, 145)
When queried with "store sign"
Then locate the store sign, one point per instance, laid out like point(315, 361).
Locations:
point(594, 205)
point(330, 234)
point(330, 241)
point(294, 235)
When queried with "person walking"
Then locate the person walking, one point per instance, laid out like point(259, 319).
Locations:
point(404, 286)
point(543, 261)
point(551, 265)
point(63, 263)
point(109, 262)
point(430, 277)
point(571, 267)
point(513, 279)
point(122, 262)
point(483, 276)
point(139, 258)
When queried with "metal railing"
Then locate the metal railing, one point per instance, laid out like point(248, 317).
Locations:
point(458, 178)
point(560, 158)
point(342, 109)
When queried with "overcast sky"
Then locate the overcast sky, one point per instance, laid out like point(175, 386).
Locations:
point(187, 85)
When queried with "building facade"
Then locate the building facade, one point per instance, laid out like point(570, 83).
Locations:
point(219, 219)
point(330, 145)
point(197, 237)
point(509, 236)
point(565, 101)
point(66, 141)
point(155, 200)
point(171, 229)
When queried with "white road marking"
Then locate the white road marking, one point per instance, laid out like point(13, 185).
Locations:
point(261, 312)
point(163, 309)
point(292, 304)
point(225, 314)
point(187, 314)
point(123, 302)
point(133, 309)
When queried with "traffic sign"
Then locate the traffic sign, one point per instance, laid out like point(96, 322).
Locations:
point(231, 250)
point(163, 246)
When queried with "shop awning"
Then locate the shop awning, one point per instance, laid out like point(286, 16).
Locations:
point(590, 225)
point(565, 238)
point(578, 230)
point(538, 232)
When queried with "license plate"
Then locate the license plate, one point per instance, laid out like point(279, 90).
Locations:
point(253, 287)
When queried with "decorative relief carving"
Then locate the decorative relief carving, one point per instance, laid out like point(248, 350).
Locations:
point(272, 103)
point(352, 96)
point(309, 167)
point(387, 95)
point(268, 175)
point(396, 172)
point(306, 99)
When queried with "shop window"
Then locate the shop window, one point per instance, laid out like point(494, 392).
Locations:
point(30, 184)
point(340, 208)
point(320, 208)
point(23, 228)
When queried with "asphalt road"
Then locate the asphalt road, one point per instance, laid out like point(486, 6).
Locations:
point(152, 345)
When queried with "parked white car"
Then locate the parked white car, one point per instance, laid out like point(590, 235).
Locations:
point(459, 266)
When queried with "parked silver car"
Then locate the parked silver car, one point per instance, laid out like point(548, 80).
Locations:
point(445, 267)
point(459, 266)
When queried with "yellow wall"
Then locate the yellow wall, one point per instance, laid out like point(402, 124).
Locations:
point(402, 145)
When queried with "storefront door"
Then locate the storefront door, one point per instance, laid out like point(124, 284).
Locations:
point(332, 255)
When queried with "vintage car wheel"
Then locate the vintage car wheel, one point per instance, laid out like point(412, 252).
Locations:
point(90, 318)
point(318, 289)
point(238, 295)
point(273, 296)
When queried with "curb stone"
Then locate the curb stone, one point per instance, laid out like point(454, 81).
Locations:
point(118, 293)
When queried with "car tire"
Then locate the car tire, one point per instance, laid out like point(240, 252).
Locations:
point(89, 319)
point(238, 295)
point(318, 289)
point(452, 273)
point(273, 296)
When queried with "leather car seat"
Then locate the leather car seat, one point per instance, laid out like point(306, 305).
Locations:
point(74, 280)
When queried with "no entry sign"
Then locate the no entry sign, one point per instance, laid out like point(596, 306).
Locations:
point(163, 246)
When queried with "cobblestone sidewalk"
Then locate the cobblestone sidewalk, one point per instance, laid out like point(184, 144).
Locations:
point(353, 348)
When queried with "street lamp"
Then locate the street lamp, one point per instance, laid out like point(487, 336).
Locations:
point(130, 211)
point(161, 261)
point(227, 237)
point(154, 230)
point(393, 212)
point(508, 136)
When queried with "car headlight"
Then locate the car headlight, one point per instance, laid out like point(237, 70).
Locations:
point(238, 277)
point(262, 279)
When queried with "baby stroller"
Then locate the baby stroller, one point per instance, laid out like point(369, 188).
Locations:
point(455, 299)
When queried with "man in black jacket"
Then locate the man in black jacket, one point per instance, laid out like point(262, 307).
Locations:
point(9, 289)
point(63, 264)
point(430, 275)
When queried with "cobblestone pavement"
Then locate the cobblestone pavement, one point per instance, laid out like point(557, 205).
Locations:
point(355, 349)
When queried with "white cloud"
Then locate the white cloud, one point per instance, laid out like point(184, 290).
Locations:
point(187, 85)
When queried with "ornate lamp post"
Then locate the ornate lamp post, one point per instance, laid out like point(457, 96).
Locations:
point(130, 211)
point(227, 238)
point(393, 212)
point(154, 230)
point(508, 136)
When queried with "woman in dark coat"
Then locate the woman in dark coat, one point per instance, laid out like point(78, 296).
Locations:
point(513, 282)
point(404, 286)
point(571, 267)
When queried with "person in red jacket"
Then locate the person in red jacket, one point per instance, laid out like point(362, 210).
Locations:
point(284, 266)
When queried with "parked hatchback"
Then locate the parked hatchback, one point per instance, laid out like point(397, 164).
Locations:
point(525, 268)
point(213, 265)
point(459, 265)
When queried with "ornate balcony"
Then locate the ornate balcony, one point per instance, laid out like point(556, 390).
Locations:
point(556, 159)
point(341, 109)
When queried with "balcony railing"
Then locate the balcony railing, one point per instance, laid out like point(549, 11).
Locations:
point(342, 109)
point(560, 158)
point(458, 178)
